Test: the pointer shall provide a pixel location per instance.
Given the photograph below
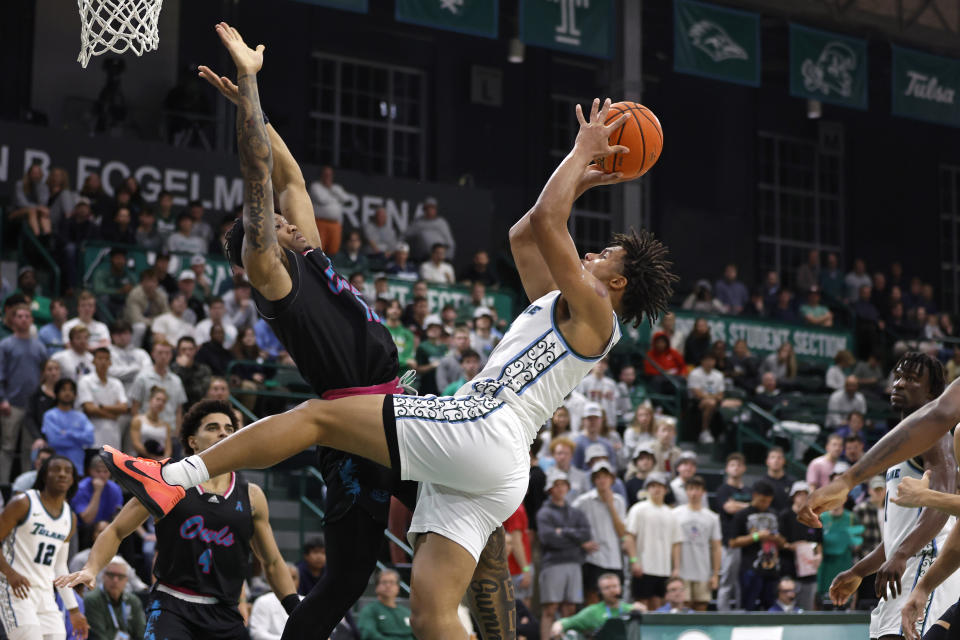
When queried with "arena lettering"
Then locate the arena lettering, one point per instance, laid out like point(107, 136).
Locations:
point(808, 343)
point(182, 184)
point(761, 337)
point(928, 88)
point(193, 528)
point(40, 530)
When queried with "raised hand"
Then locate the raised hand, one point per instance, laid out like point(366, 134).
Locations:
point(223, 84)
point(84, 577)
point(912, 492)
point(247, 60)
point(593, 137)
point(826, 498)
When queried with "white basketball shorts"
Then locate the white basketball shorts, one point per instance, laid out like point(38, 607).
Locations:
point(885, 618)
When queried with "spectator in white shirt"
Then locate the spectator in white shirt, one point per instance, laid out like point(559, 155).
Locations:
point(218, 315)
point(267, 616)
point(605, 510)
point(653, 544)
point(172, 326)
point(429, 230)
point(127, 360)
point(183, 240)
point(686, 469)
point(701, 548)
point(600, 388)
point(706, 386)
point(97, 333)
point(104, 401)
point(844, 401)
point(76, 360)
point(241, 311)
point(159, 375)
point(437, 269)
point(328, 200)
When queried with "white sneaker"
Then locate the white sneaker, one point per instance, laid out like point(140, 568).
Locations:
point(706, 437)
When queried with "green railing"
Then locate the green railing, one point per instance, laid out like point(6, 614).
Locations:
point(746, 432)
point(28, 238)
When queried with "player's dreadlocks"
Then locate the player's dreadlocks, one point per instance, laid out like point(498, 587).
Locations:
point(916, 362)
point(646, 266)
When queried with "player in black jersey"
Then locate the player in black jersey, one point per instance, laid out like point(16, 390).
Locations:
point(203, 545)
point(341, 348)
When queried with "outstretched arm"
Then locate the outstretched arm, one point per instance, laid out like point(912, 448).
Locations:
point(587, 298)
point(262, 256)
point(288, 182)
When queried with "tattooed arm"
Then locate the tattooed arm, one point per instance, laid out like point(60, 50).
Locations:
point(490, 593)
point(262, 256)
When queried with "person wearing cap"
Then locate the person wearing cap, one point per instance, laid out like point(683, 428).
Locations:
point(381, 237)
point(800, 539)
point(429, 354)
point(484, 337)
point(606, 511)
point(644, 461)
point(187, 285)
point(561, 449)
point(173, 325)
point(146, 301)
point(564, 532)
point(400, 266)
point(813, 312)
point(686, 469)
point(595, 453)
point(730, 498)
point(652, 543)
point(198, 264)
point(182, 240)
point(428, 230)
point(39, 304)
point(701, 546)
point(437, 270)
point(701, 299)
point(756, 531)
point(592, 424)
point(112, 281)
point(706, 387)
point(98, 335)
point(909, 540)
point(602, 389)
point(731, 292)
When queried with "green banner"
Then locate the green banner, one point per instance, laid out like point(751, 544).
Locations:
point(221, 279)
point(828, 67)
point(715, 42)
point(765, 336)
point(576, 26)
point(359, 6)
point(925, 86)
point(476, 17)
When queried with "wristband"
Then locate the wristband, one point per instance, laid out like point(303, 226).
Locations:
point(634, 559)
point(526, 569)
point(756, 537)
point(290, 603)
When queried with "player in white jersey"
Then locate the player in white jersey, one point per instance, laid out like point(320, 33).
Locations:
point(912, 538)
point(470, 451)
point(36, 528)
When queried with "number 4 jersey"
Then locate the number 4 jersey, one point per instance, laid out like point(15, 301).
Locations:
point(203, 544)
point(32, 549)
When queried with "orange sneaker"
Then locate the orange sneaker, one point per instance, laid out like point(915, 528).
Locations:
point(143, 479)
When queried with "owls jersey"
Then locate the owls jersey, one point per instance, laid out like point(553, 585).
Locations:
point(533, 368)
point(899, 521)
point(203, 544)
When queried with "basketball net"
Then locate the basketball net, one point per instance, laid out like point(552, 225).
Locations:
point(118, 26)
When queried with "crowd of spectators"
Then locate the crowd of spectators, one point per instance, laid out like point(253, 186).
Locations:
point(617, 516)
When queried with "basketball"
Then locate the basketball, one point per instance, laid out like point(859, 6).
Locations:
point(641, 133)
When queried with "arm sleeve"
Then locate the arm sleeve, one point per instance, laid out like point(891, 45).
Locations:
point(68, 595)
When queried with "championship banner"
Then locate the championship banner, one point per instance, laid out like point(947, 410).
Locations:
point(219, 272)
point(828, 67)
point(475, 17)
point(584, 27)
point(925, 87)
point(715, 42)
point(766, 336)
point(358, 6)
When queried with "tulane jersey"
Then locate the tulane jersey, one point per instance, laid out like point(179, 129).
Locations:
point(899, 521)
point(203, 544)
point(533, 368)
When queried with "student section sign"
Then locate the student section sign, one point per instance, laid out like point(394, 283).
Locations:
point(765, 336)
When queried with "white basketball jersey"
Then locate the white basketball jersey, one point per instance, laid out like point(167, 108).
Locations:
point(533, 369)
point(32, 546)
point(899, 521)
